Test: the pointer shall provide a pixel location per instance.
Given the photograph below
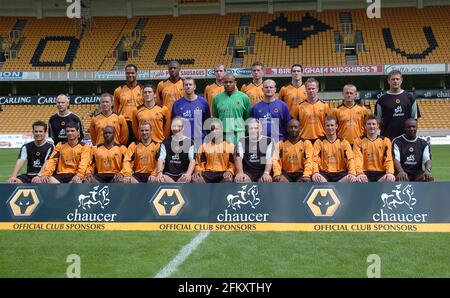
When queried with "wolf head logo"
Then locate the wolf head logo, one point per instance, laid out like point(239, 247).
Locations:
point(324, 202)
point(294, 33)
point(168, 202)
point(24, 201)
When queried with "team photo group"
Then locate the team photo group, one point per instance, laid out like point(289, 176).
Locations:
point(256, 133)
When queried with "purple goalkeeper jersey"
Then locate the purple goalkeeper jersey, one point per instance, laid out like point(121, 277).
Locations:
point(274, 116)
point(195, 113)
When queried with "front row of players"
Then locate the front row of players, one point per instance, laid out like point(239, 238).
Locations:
point(255, 158)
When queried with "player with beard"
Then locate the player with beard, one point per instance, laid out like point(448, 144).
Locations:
point(170, 90)
point(127, 97)
point(293, 158)
point(106, 160)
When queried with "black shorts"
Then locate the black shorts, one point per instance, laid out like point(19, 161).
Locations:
point(141, 177)
point(104, 178)
point(26, 178)
point(174, 177)
point(374, 176)
point(292, 177)
point(64, 178)
point(254, 176)
point(333, 177)
point(213, 177)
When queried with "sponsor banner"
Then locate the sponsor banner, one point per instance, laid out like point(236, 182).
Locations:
point(164, 74)
point(11, 75)
point(439, 140)
point(328, 70)
point(372, 207)
point(237, 72)
point(18, 75)
point(47, 100)
point(119, 75)
point(419, 94)
point(415, 68)
point(16, 140)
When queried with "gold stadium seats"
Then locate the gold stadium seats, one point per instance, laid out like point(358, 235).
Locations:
point(400, 36)
point(19, 118)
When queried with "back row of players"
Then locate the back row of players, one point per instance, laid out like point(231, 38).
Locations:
point(294, 138)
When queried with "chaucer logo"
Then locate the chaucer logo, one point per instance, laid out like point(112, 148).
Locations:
point(322, 202)
point(168, 201)
point(23, 202)
point(399, 205)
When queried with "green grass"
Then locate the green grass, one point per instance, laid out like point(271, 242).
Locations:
point(236, 254)
point(102, 254)
point(232, 254)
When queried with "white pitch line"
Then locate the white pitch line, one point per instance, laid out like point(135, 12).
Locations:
point(182, 255)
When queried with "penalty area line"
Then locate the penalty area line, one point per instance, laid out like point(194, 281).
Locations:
point(182, 255)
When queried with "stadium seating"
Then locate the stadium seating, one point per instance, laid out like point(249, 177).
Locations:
point(17, 119)
point(402, 35)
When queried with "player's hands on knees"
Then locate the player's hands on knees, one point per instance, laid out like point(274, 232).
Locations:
point(12, 179)
point(159, 177)
point(152, 179)
point(427, 176)
point(118, 178)
point(90, 178)
point(351, 178)
point(362, 178)
point(227, 177)
point(126, 179)
point(305, 179)
point(196, 176)
point(390, 178)
point(240, 177)
point(265, 178)
point(36, 179)
point(277, 178)
point(402, 176)
point(76, 179)
point(317, 177)
point(185, 178)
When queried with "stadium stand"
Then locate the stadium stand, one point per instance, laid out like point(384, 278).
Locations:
point(17, 119)
point(402, 35)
